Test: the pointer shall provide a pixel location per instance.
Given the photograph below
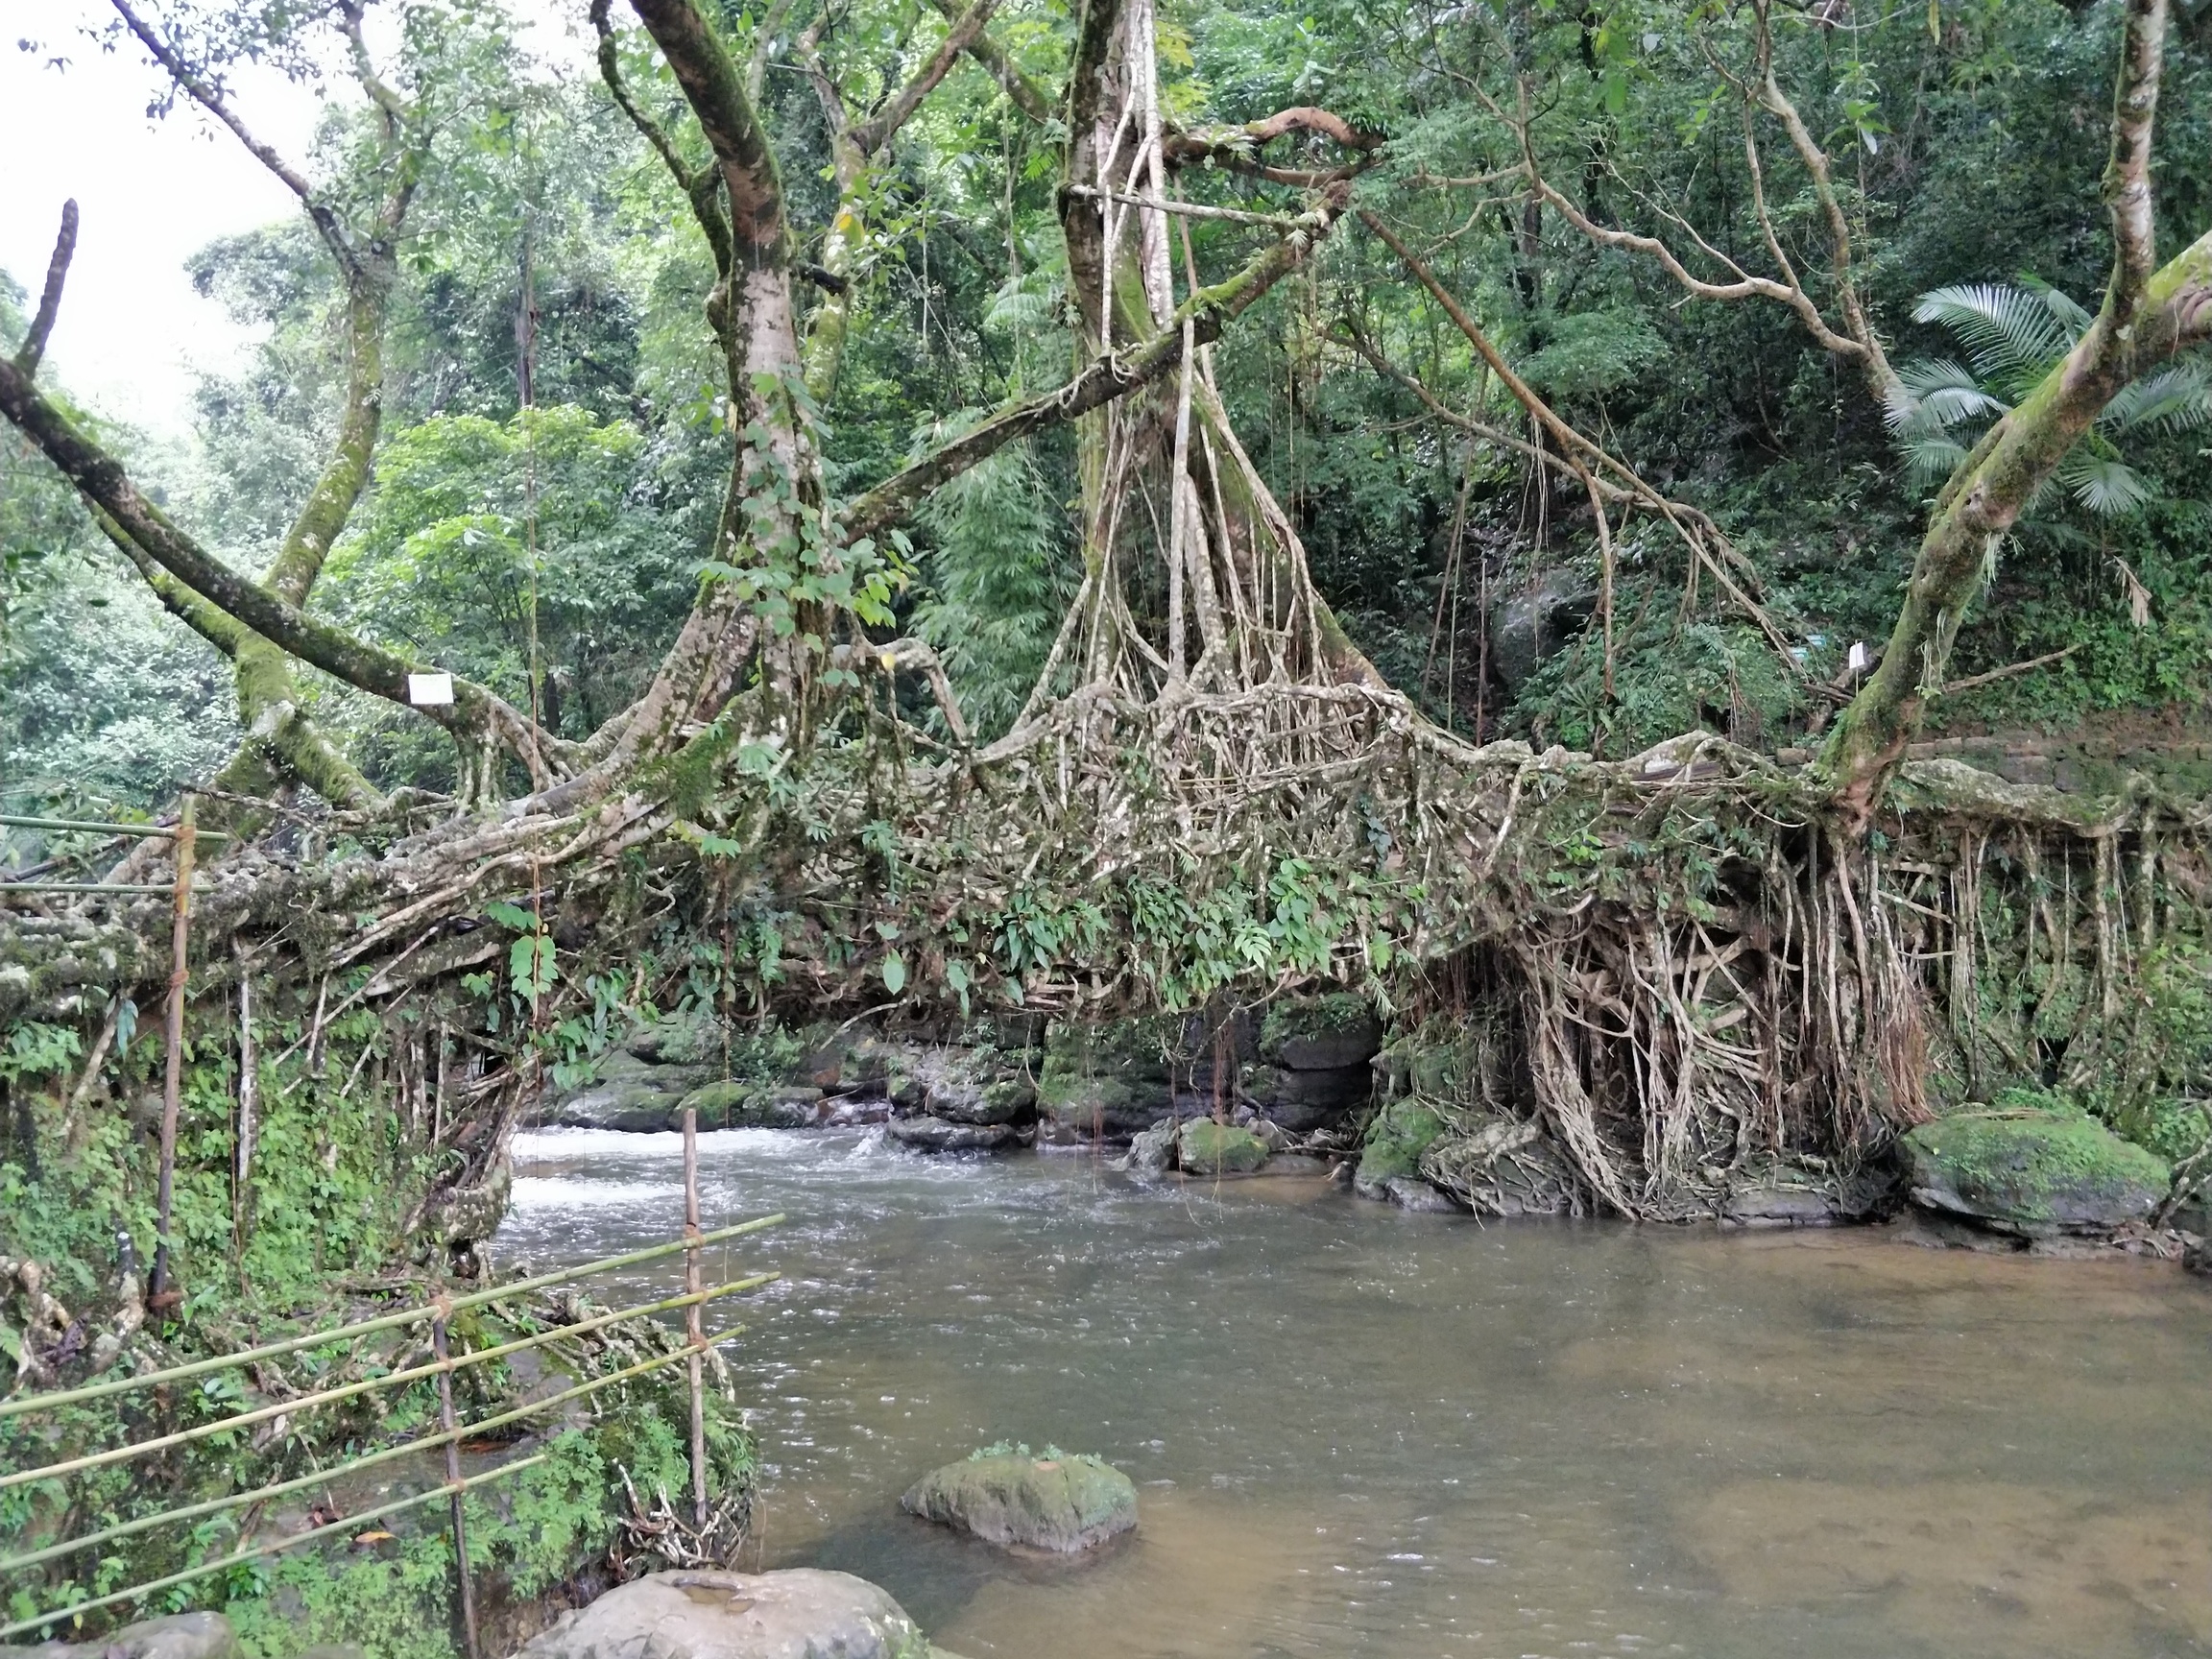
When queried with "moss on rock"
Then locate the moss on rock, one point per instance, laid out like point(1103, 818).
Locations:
point(1060, 1502)
point(1396, 1138)
point(1206, 1147)
point(2033, 1169)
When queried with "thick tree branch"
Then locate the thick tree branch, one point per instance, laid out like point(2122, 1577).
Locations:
point(2142, 324)
point(101, 479)
point(872, 134)
point(1031, 99)
point(34, 345)
point(702, 186)
point(1226, 143)
point(1104, 378)
point(2128, 173)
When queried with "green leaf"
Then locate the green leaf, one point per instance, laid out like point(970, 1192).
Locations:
point(513, 915)
point(894, 972)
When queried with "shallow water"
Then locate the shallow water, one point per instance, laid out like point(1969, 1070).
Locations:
point(1360, 1432)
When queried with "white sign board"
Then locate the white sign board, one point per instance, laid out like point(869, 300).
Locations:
point(429, 690)
point(1856, 661)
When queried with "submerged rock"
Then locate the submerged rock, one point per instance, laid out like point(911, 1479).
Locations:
point(798, 1613)
point(1059, 1501)
point(2032, 1170)
point(1205, 1148)
point(1411, 1193)
point(938, 1135)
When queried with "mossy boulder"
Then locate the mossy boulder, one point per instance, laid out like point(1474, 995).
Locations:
point(1328, 1033)
point(738, 1104)
point(1400, 1133)
point(1060, 1502)
point(1206, 1147)
point(2032, 1171)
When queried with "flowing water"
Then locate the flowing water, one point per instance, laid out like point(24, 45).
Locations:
point(1357, 1431)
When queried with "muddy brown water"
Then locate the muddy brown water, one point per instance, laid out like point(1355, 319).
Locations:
point(1357, 1431)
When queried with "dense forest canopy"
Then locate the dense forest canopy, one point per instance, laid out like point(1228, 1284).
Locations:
point(1786, 264)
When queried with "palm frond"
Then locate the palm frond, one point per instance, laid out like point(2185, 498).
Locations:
point(1931, 396)
point(2109, 489)
point(2071, 315)
point(2177, 399)
point(1931, 459)
point(2010, 335)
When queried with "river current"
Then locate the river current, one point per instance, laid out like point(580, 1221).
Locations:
point(1359, 1431)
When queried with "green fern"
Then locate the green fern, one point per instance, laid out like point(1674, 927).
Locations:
point(2013, 337)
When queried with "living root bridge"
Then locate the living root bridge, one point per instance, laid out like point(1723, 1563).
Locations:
point(1703, 975)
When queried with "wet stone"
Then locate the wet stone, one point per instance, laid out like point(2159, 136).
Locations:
point(938, 1135)
point(799, 1613)
point(1060, 1502)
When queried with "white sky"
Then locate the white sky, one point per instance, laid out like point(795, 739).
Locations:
point(148, 193)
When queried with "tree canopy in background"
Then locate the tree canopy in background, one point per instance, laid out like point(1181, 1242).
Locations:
point(1662, 217)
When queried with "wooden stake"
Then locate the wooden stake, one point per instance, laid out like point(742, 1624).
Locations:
point(248, 1108)
point(454, 1479)
point(692, 1325)
point(173, 1085)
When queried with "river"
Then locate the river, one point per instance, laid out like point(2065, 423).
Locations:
point(1359, 1431)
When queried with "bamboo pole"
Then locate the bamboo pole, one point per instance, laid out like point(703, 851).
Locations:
point(322, 1477)
point(465, 1582)
point(383, 1322)
point(328, 1396)
point(249, 1111)
point(172, 1084)
point(139, 1592)
point(692, 1325)
point(148, 831)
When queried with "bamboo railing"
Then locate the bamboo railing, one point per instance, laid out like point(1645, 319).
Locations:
point(449, 1435)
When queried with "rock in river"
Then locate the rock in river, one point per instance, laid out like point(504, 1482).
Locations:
point(1209, 1148)
point(2034, 1171)
point(799, 1613)
point(938, 1135)
point(1058, 1502)
point(180, 1636)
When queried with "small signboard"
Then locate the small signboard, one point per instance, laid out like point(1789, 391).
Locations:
point(430, 690)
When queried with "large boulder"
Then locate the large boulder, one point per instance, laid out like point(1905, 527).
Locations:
point(738, 1104)
point(1206, 1147)
point(963, 1086)
point(1302, 1101)
point(626, 1092)
point(798, 1613)
point(1110, 1079)
point(179, 1636)
point(1400, 1133)
point(1500, 1167)
point(2032, 1171)
point(1151, 1151)
point(940, 1135)
point(1531, 625)
point(1059, 1501)
point(1328, 1033)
